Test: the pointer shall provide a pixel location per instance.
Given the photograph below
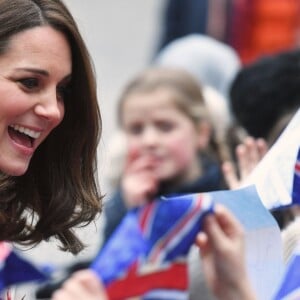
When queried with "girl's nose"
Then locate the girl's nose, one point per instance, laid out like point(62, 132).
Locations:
point(50, 108)
point(150, 137)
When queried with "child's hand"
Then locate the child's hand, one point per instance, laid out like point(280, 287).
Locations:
point(83, 285)
point(222, 252)
point(139, 183)
point(249, 154)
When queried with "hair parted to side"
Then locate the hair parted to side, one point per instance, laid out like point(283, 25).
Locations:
point(187, 96)
point(59, 189)
point(186, 92)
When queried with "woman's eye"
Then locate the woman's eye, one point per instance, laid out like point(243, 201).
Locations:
point(29, 83)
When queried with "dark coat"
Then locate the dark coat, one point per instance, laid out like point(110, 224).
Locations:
point(211, 180)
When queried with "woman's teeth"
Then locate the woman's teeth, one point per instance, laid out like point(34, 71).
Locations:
point(31, 133)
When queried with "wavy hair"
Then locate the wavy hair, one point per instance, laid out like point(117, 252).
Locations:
point(59, 189)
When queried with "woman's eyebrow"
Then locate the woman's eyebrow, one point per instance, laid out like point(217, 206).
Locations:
point(43, 73)
point(35, 70)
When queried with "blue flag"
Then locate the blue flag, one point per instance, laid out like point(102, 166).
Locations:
point(14, 269)
point(290, 286)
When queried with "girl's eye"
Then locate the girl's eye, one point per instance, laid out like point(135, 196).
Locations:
point(29, 83)
point(135, 129)
point(165, 126)
point(63, 92)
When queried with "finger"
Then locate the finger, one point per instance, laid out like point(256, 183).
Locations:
point(243, 160)
point(262, 147)
point(230, 175)
point(227, 221)
point(132, 153)
point(201, 239)
point(69, 290)
point(139, 190)
point(202, 243)
point(252, 151)
point(61, 295)
point(91, 281)
point(140, 163)
point(213, 231)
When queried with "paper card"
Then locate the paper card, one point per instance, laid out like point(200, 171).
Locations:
point(273, 176)
point(263, 240)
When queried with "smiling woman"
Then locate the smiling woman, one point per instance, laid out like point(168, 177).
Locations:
point(49, 125)
point(37, 64)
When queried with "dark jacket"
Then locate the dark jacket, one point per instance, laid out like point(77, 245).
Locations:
point(211, 180)
point(181, 18)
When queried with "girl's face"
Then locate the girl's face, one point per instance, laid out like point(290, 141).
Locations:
point(157, 129)
point(34, 74)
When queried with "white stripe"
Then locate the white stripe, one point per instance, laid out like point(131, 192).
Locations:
point(294, 295)
point(206, 203)
point(150, 220)
point(166, 295)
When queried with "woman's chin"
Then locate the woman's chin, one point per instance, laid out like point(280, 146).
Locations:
point(14, 170)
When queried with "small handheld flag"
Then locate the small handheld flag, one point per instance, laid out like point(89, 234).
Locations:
point(148, 250)
point(14, 269)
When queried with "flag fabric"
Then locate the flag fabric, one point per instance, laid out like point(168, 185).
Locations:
point(14, 269)
point(296, 181)
point(290, 286)
point(147, 253)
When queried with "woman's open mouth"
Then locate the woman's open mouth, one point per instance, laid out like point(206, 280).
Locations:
point(23, 136)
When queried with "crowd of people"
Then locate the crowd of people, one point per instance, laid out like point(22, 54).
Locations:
point(188, 125)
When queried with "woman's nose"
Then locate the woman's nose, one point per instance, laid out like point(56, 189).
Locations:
point(50, 107)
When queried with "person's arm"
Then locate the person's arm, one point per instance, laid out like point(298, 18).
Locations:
point(83, 285)
point(221, 246)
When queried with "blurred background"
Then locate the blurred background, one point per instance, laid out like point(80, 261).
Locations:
point(124, 37)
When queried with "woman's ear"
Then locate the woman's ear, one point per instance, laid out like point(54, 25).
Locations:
point(204, 134)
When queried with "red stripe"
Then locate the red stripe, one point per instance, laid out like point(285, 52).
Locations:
point(174, 277)
point(297, 166)
point(8, 295)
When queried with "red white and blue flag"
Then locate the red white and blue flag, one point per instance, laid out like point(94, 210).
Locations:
point(14, 269)
point(147, 254)
point(290, 286)
point(296, 181)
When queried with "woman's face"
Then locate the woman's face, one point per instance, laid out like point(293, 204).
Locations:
point(35, 73)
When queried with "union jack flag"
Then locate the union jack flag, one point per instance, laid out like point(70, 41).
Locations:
point(147, 254)
point(296, 182)
point(290, 286)
point(14, 269)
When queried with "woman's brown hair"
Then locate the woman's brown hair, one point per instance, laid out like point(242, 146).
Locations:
point(59, 189)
